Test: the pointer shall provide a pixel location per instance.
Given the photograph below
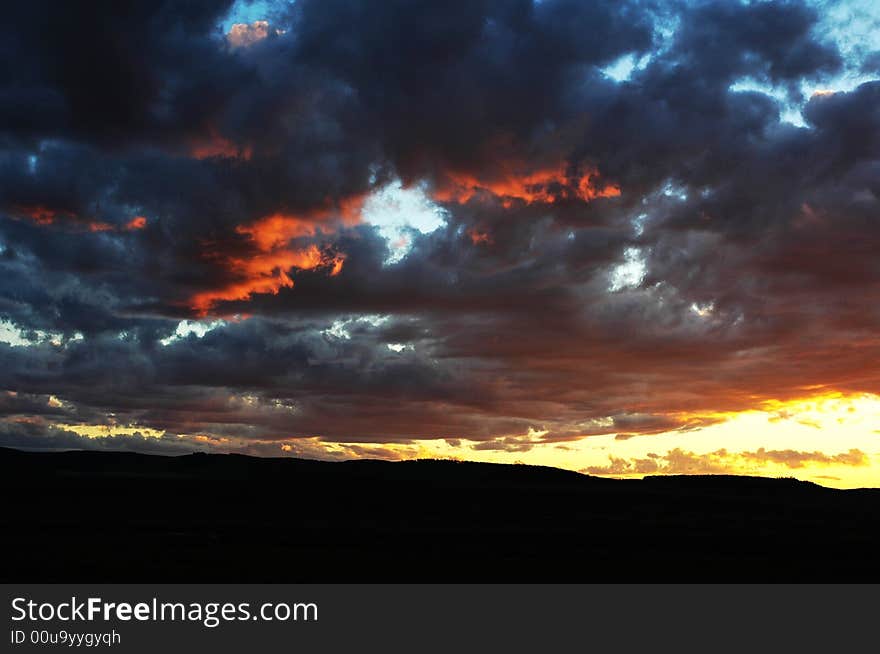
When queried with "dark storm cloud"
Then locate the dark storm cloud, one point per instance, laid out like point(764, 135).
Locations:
point(118, 74)
point(772, 40)
point(463, 85)
point(12, 404)
point(750, 241)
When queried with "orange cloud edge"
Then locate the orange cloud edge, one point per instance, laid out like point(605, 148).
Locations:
point(267, 268)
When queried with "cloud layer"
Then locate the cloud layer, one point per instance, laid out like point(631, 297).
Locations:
point(618, 254)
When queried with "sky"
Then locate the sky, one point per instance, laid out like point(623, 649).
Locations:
point(627, 237)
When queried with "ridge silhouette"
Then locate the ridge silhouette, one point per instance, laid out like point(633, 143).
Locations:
point(110, 516)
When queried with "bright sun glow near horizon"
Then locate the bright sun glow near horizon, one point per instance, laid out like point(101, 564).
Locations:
point(832, 439)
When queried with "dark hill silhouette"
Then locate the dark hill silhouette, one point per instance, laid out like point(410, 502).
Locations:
point(102, 516)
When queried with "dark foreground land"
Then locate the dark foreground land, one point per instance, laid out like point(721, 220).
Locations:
point(87, 516)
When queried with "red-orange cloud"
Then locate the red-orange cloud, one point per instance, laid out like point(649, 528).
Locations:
point(543, 186)
point(138, 222)
point(479, 237)
point(40, 214)
point(265, 273)
point(219, 147)
point(215, 144)
point(45, 216)
point(265, 270)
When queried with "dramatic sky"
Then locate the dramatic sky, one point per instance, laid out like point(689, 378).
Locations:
point(626, 237)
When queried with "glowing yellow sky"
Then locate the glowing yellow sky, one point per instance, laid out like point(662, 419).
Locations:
point(803, 432)
point(830, 425)
point(98, 431)
point(831, 439)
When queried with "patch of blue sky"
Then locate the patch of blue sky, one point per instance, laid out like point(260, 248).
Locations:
point(622, 69)
point(187, 327)
point(399, 213)
point(247, 11)
point(851, 25)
